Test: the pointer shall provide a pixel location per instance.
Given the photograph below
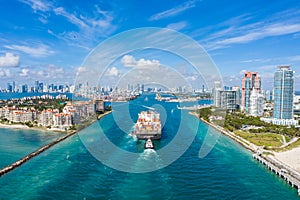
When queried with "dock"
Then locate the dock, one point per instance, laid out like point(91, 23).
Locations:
point(281, 170)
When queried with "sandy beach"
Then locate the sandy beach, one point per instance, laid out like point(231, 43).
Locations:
point(16, 126)
point(290, 158)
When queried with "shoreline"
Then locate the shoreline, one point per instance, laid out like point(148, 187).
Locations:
point(26, 158)
point(284, 167)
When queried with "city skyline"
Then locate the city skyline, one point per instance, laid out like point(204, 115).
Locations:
point(51, 42)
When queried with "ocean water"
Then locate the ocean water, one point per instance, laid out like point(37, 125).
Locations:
point(69, 171)
point(16, 143)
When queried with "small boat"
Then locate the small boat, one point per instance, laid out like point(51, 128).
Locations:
point(149, 144)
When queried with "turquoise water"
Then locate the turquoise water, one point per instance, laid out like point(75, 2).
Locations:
point(16, 143)
point(69, 171)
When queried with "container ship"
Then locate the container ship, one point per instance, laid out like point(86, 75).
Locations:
point(148, 126)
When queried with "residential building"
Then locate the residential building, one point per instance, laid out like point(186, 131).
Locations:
point(228, 99)
point(250, 81)
point(216, 93)
point(283, 93)
point(256, 104)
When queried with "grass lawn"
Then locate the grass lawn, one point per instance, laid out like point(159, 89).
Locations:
point(291, 146)
point(262, 139)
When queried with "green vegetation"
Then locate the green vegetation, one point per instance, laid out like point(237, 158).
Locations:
point(252, 129)
point(291, 146)
point(38, 104)
point(235, 121)
point(205, 113)
point(262, 139)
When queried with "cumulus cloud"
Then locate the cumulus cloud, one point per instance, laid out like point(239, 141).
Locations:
point(81, 69)
point(113, 72)
point(130, 61)
point(24, 72)
point(9, 60)
point(5, 73)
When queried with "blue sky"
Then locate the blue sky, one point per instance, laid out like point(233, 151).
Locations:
point(49, 40)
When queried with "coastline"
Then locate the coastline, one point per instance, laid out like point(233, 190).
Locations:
point(20, 126)
point(26, 158)
point(286, 162)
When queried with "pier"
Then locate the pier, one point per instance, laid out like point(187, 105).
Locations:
point(284, 172)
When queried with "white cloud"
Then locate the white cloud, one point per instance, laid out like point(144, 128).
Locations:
point(38, 5)
point(5, 73)
point(259, 33)
point(243, 71)
point(130, 61)
point(9, 60)
point(177, 26)
point(38, 51)
point(70, 17)
point(113, 72)
point(91, 26)
point(240, 31)
point(24, 72)
point(81, 69)
point(173, 11)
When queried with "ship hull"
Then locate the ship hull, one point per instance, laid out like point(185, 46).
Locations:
point(148, 136)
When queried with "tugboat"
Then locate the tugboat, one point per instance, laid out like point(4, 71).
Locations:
point(149, 144)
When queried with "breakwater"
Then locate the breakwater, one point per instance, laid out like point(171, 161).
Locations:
point(33, 154)
point(26, 158)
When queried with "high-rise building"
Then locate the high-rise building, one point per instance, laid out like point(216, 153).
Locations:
point(256, 104)
point(228, 99)
point(24, 88)
point(216, 93)
point(283, 93)
point(9, 87)
point(14, 86)
point(250, 81)
point(36, 86)
point(238, 95)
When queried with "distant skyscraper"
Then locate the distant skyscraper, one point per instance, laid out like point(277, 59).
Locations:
point(14, 86)
point(9, 87)
point(250, 81)
point(36, 86)
point(283, 93)
point(24, 88)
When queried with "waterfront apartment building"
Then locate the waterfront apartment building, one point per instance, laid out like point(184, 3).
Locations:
point(216, 93)
point(250, 81)
point(256, 104)
point(283, 93)
point(227, 98)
